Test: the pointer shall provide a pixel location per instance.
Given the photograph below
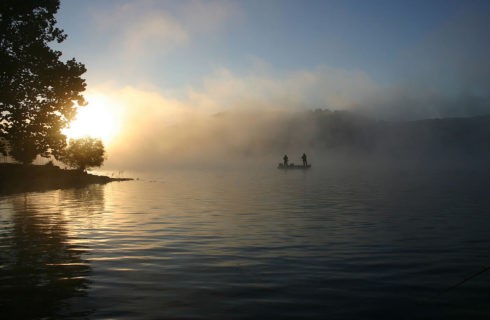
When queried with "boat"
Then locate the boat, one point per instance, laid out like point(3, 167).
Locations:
point(293, 166)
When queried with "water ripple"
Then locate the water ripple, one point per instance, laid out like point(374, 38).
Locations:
point(247, 246)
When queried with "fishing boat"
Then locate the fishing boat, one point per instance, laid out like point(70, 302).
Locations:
point(293, 166)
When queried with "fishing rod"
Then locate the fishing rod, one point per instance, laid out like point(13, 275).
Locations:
point(474, 275)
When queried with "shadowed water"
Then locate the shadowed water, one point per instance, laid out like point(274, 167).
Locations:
point(251, 244)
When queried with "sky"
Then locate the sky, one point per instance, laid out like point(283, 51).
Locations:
point(164, 62)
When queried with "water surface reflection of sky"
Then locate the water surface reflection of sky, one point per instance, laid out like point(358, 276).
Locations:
point(249, 244)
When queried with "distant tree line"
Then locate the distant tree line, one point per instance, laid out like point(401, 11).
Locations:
point(346, 133)
point(436, 139)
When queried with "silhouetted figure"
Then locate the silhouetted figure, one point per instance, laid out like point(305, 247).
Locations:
point(285, 160)
point(305, 163)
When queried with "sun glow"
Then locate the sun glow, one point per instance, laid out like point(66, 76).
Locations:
point(99, 119)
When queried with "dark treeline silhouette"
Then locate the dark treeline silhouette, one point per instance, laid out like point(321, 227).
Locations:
point(37, 88)
point(84, 153)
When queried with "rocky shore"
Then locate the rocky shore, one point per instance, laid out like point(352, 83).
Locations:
point(15, 178)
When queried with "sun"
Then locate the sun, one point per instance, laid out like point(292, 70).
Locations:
point(99, 119)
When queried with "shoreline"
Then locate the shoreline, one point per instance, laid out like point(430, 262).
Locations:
point(17, 178)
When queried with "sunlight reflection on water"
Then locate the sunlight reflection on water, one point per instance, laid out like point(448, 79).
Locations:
point(257, 244)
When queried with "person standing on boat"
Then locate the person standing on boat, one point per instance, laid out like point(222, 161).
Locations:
point(305, 163)
point(285, 158)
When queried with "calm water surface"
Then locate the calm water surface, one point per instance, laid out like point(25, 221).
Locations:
point(239, 244)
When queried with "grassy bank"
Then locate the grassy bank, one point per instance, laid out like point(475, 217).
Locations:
point(15, 178)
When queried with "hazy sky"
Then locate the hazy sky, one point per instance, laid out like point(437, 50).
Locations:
point(161, 61)
point(175, 44)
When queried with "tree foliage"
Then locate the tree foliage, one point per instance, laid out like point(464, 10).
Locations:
point(38, 91)
point(84, 153)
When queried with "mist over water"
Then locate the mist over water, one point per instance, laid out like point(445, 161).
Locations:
point(231, 116)
point(242, 139)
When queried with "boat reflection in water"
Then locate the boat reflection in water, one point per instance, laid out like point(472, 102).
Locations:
point(293, 166)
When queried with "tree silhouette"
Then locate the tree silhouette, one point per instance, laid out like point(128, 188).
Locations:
point(84, 153)
point(37, 90)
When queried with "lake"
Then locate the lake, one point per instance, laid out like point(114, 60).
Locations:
point(251, 244)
